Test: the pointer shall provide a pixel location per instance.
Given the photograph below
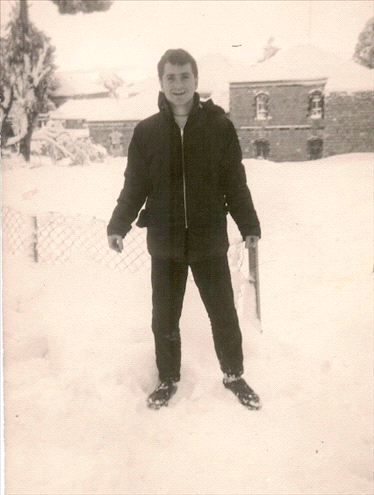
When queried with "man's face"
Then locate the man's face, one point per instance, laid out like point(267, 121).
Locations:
point(178, 83)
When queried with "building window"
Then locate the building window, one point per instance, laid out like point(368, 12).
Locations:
point(262, 149)
point(42, 121)
point(262, 106)
point(315, 107)
point(115, 146)
point(74, 124)
point(315, 148)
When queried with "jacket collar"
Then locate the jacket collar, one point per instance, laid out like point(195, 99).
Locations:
point(165, 107)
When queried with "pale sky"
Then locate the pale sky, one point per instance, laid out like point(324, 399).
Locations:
point(138, 32)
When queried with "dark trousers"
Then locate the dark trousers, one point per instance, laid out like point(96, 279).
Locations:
point(213, 279)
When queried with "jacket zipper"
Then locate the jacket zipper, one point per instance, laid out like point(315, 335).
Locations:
point(184, 184)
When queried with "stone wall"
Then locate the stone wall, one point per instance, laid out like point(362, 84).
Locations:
point(288, 126)
point(349, 119)
point(101, 132)
point(284, 144)
point(288, 103)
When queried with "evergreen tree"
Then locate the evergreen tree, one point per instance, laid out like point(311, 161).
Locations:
point(26, 79)
point(85, 6)
point(364, 52)
point(27, 71)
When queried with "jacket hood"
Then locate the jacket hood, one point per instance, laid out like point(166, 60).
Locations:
point(208, 105)
point(212, 107)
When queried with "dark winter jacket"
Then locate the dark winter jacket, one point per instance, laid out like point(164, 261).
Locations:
point(189, 184)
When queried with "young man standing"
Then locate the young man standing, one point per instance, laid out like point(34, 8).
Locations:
point(184, 163)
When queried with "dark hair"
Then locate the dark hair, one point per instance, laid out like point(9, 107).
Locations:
point(176, 56)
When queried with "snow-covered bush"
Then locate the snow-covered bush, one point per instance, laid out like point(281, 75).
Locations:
point(67, 146)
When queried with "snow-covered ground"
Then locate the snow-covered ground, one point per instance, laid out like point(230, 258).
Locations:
point(79, 351)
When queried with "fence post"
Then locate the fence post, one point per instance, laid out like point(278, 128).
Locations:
point(35, 254)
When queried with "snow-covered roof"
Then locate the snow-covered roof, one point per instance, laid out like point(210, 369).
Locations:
point(354, 82)
point(216, 71)
point(108, 109)
point(307, 62)
point(70, 86)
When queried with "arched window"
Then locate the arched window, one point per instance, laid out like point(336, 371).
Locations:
point(262, 148)
point(315, 107)
point(315, 148)
point(262, 106)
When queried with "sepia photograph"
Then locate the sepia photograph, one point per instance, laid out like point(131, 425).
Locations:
point(187, 247)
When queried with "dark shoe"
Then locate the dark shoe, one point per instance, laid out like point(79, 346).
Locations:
point(162, 394)
point(243, 391)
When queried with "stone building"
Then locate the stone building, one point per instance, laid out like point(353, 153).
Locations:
point(349, 120)
point(303, 104)
point(110, 121)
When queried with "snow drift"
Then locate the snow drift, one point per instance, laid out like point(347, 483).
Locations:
point(79, 357)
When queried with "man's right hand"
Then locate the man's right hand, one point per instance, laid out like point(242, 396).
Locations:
point(115, 242)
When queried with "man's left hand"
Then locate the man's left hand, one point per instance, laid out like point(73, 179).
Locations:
point(251, 241)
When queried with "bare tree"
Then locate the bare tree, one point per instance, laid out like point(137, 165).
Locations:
point(111, 81)
point(269, 50)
